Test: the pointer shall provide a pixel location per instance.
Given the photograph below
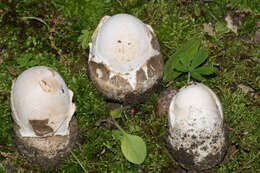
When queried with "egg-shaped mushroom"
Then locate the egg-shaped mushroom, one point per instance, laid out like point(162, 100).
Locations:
point(125, 62)
point(41, 103)
point(42, 111)
point(197, 135)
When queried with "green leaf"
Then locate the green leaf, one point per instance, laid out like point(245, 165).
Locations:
point(172, 75)
point(205, 70)
point(181, 68)
point(188, 50)
point(116, 113)
point(185, 59)
point(169, 67)
point(191, 48)
point(199, 58)
point(197, 76)
point(133, 148)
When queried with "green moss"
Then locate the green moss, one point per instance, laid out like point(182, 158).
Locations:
point(24, 44)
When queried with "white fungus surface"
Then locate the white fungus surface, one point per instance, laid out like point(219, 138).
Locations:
point(123, 43)
point(196, 123)
point(41, 103)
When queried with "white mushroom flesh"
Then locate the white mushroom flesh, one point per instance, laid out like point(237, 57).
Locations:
point(41, 103)
point(196, 121)
point(123, 43)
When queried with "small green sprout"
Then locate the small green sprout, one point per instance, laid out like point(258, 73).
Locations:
point(133, 147)
point(188, 59)
point(84, 38)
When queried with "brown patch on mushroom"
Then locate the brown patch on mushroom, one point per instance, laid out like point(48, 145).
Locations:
point(119, 82)
point(155, 66)
point(140, 76)
point(45, 86)
point(40, 127)
point(48, 85)
point(99, 66)
point(154, 42)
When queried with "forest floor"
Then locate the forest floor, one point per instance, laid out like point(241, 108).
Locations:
point(53, 41)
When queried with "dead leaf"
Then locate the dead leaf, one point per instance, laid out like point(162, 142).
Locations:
point(257, 37)
point(1, 61)
point(53, 29)
point(230, 23)
point(12, 71)
point(105, 123)
point(208, 29)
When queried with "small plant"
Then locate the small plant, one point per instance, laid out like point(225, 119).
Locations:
point(133, 147)
point(85, 38)
point(188, 59)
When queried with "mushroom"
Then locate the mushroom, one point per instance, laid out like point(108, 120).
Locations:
point(42, 111)
point(197, 135)
point(125, 63)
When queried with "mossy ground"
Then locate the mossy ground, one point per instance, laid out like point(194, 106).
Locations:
point(26, 43)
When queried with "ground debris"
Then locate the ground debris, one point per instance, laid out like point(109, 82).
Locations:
point(105, 123)
point(246, 89)
point(257, 33)
point(12, 71)
point(230, 23)
point(207, 27)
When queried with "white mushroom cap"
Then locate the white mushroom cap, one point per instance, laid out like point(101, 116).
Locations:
point(196, 126)
point(123, 46)
point(196, 101)
point(41, 103)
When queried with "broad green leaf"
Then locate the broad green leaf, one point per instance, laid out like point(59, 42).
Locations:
point(133, 148)
point(172, 75)
point(116, 113)
point(169, 67)
point(205, 70)
point(197, 76)
point(185, 59)
point(190, 48)
point(199, 58)
point(181, 68)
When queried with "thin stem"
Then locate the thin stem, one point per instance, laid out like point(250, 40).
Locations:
point(118, 126)
point(188, 78)
point(36, 18)
point(79, 162)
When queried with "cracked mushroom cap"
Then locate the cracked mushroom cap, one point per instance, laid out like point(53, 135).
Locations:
point(125, 60)
point(197, 131)
point(41, 103)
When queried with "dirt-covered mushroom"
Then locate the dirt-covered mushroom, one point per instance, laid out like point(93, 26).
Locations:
point(197, 134)
point(125, 62)
point(42, 111)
